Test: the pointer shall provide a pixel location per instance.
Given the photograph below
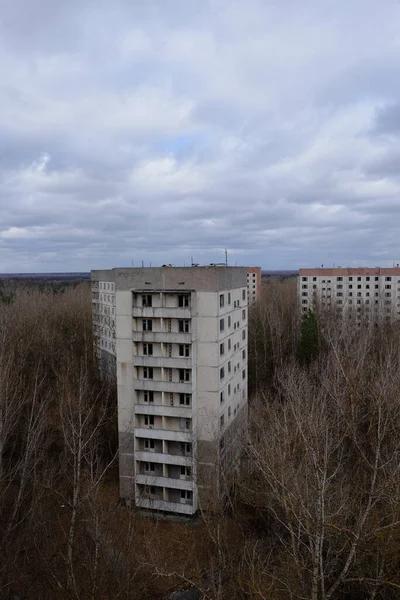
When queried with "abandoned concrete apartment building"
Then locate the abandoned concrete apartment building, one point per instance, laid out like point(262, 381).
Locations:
point(356, 293)
point(177, 337)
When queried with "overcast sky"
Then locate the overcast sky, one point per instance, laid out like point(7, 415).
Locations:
point(158, 130)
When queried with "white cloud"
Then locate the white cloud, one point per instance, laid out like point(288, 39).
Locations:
point(166, 129)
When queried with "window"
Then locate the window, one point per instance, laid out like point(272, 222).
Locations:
point(221, 397)
point(221, 421)
point(367, 278)
point(229, 411)
point(304, 278)
point(183, 325)
point(186, 471)
point(184, 350)
point(184, 375)
point(244, 374)
point(229, 321)
point(339, 278)
point(185, 424)
point(149, 444)
point(148, 349)
point(222, 349)
point(388, 286)
point(243, 354)
point(186, 495)
point(147, 300)
point(229, 344)
point(229, 366)
point(243, 294)
point(183, 300)
point(243, 315)
point(376, 286)
point(304, 287)
point(376, 278)
point(243, 334)
point(148, 396)
point(229, 297)
point(148, 372)
point(221, 300)
point(358, 278)
point(229, 389)
point(350, 286)
point(339, 286)
point(359, 287)
point(184, 399)
point(222, 373)
point(222, 324)
point(149, 420)
point(147, 325)
point(388, 279)
point(186, 448)
point(149, 467)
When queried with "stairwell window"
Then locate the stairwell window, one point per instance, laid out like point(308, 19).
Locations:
point(222, 325)
point(221, 300)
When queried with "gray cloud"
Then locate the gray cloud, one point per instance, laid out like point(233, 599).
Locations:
point(157, 131)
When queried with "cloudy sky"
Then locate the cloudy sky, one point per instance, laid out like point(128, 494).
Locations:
point(158, 130)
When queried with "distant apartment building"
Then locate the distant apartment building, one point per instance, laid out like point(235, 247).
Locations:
point(181, 359)
point(359, 292)
point(253, 284)
point(104, 316)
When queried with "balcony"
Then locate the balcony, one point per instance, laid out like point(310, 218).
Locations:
point(163, 386)
point(167, 337)
point(175, 484)
point(163, 434)
point(149, 312)
point(163, 361)
point(167, 459)
point(176, 507)
point(148, 408)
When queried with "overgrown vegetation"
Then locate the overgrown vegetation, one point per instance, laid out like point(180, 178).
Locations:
point(316, 510)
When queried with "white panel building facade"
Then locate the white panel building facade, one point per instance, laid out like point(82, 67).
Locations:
point(358, 292)
point(181, 360)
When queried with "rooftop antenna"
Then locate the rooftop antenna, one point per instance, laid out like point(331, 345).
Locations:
point(132, 263)
point(191, 260)
point(142, 264)
point(226, 257)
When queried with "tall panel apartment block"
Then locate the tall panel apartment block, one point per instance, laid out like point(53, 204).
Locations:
point(254, 284)
point(357, 293)
point(181, 360)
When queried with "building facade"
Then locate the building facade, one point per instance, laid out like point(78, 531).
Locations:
point(358, 292)
point(253, 284)
point(181, 363)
